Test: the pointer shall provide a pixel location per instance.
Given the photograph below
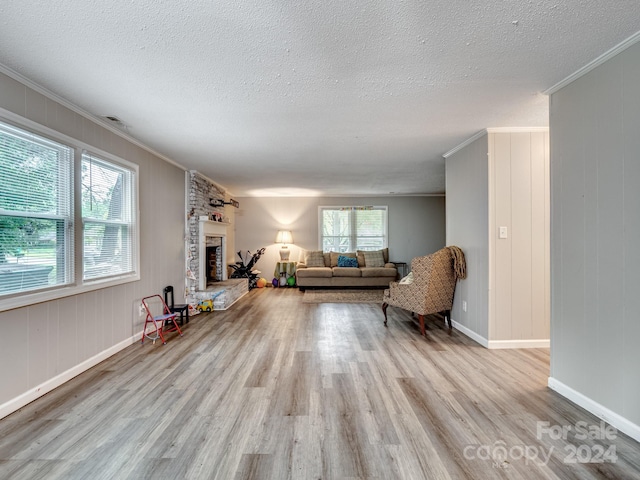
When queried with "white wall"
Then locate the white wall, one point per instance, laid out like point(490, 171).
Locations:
point(416, 225)
point(595, 241)
point(44, 344)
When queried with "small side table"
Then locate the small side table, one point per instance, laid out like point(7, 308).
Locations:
point(403, 266)
point(285, 268)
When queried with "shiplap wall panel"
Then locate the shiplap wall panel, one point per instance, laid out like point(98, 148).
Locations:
point(631, 276)
point(501, 324)
point(42, 341)
point(610, 230)
point(540, 235)
point(521, 237)
point(596, 235)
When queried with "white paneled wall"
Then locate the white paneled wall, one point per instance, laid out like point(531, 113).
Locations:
point(519, 263)
point(46, 343)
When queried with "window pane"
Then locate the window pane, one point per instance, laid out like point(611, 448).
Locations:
point(31, 253)
point(36, 237)
point(107, 211)
point(103, 190)
point(346, 229)
point(107, 250)
point(35, 173)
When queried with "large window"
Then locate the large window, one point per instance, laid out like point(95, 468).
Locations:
point(36, 199)
point(107, 218)
point(48, 249)
point(347, 229)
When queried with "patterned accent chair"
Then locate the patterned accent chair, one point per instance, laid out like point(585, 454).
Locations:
point(431, 291)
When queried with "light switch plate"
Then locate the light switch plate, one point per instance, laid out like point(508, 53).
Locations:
point(503, 232)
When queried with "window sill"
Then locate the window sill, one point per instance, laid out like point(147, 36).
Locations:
point(55, 293)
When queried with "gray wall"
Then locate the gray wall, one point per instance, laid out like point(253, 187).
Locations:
point(42, 341)
point(416, 225)
point(595, 239)
point(468, 227)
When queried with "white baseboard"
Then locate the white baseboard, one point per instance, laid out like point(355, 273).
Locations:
point(600, 411)
point(470, 333)
point(32, 394)
point(495, 344)
point(541, 343)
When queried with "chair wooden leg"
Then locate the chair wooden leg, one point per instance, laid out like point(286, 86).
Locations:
point(422, 329)
point(384, 310)
point(447, 317)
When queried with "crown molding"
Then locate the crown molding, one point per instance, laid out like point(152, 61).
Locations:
point(517, 129)
point(467, 142)
point(632, 40)
point(484, 132)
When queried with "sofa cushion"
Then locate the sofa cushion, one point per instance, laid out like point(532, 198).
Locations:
point(374, 259)
point(314, 258)
point(335, 255)
point(314, 272)
point(346, 272)
point(347, 261)
point(360, 257)
point(379, 272)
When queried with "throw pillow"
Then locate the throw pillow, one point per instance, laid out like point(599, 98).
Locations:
point(347, 261)
point(335, 255)
point(374, 259)
point(314, 259)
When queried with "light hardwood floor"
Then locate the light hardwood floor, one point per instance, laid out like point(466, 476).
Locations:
point(276, 389)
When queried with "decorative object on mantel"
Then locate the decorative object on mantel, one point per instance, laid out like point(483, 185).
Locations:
point(244, 268)
point(284, 237)
point(218, 202)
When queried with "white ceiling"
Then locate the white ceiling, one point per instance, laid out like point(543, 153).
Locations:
point(324, 97)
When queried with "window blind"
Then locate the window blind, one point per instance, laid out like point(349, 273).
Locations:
point(347, 229)
point(107, 218)
point(36, 199)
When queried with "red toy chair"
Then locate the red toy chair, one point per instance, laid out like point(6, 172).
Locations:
point(160, 319)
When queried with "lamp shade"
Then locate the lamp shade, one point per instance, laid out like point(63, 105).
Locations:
point(284, 236)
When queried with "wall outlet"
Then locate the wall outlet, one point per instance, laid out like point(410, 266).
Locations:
point(464, 305)
point(141, 310)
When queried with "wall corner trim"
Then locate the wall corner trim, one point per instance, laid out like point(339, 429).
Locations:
point(600, 411)
point(633, 39)
point(38, 391)
point(468, 141)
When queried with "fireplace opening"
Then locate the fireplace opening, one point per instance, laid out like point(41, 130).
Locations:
point(213, 260)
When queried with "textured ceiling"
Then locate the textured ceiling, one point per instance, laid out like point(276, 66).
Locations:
point(318, 97)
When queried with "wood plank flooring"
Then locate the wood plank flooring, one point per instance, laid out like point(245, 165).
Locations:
point(275, 389)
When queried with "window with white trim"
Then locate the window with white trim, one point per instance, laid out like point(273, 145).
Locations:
point(107, 218)
point(43, 198)
point(348, 228)
point(36, 211)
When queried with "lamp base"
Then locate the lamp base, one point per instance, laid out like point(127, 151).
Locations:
point(284, 254)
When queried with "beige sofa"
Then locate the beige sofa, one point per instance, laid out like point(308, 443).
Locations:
point(321, 270)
